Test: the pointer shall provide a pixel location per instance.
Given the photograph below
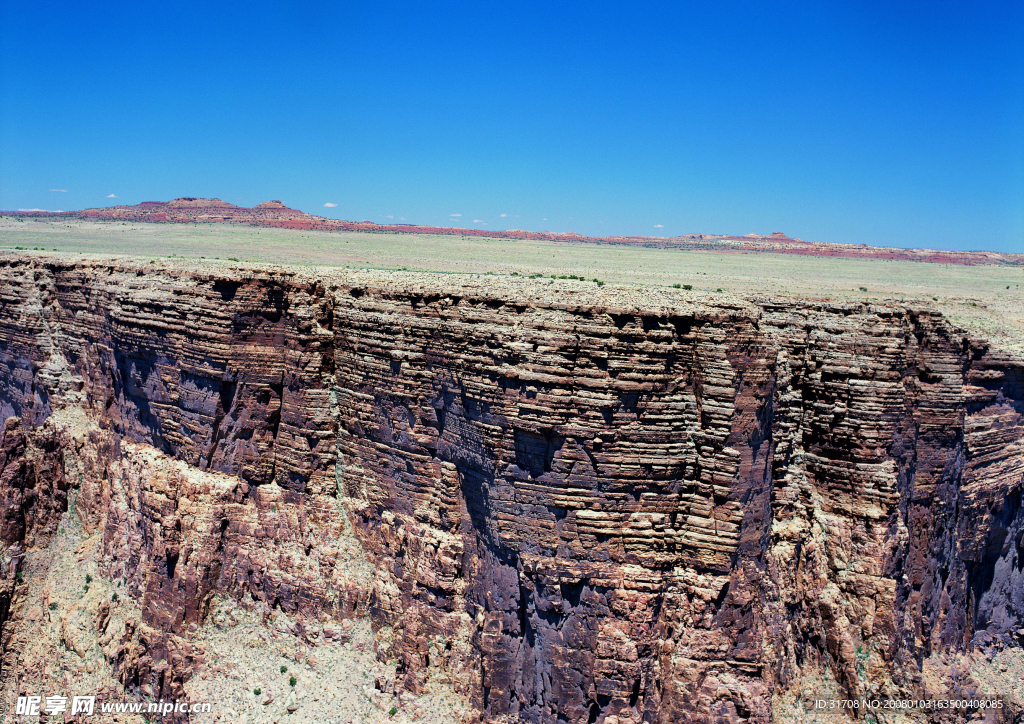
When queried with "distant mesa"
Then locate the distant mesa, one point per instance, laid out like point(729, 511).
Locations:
point(193, 202)
point(194, 209)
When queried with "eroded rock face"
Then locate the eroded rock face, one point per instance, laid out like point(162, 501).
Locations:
point(591, 508)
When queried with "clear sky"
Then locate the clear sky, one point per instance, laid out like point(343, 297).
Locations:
point(895, 123)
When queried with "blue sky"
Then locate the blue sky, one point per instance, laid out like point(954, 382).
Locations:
point(860, 122)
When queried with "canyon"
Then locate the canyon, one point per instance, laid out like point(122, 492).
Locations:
point(571, 504)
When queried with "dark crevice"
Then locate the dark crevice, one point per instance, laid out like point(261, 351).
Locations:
point(172, 563)
point(572, 592)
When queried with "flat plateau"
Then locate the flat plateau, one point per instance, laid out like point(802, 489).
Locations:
point(986, 300)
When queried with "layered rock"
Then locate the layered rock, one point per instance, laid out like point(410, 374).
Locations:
point(632, 506)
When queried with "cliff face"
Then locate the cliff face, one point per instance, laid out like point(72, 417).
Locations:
point(613, 509)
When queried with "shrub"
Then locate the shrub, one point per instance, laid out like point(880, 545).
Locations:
point(394, 710)
point(257, 691)
point(284, 669)
point(719, 289)
point(863, 289)
point(688, 287)
point(293, 681)
point(677, 286)
point(114, 597)
point(88, 578)
point(53, 606)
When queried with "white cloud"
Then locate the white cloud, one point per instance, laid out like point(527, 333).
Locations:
point(455, 214)
point(659, 226)
point(390, 217)
point(504, 215)
point(329, 205)
point(31, 209)
point(59, 191)
point(111, 196)
point(543, 219)
point(479, 221)
point(401, 218)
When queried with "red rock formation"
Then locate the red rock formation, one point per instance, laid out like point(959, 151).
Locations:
point(589, 506)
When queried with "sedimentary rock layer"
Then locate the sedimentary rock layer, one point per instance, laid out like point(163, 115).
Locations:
point(613, 506)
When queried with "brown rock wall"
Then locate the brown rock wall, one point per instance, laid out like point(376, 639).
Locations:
point(594, 509)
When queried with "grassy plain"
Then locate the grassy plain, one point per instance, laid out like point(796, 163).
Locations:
point(984, 299)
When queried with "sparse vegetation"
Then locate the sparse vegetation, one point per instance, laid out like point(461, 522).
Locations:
point(257, 691)
point(862, 657)
point(293, 681)
point(53, 606)
point(88, 578)
point(394, 710)
point(863, 289)
point(284, 669)
point(114, 597)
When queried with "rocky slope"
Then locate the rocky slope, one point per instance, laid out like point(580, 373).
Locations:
point(585, 506)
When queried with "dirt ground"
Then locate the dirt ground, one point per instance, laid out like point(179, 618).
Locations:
point(985, 299)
